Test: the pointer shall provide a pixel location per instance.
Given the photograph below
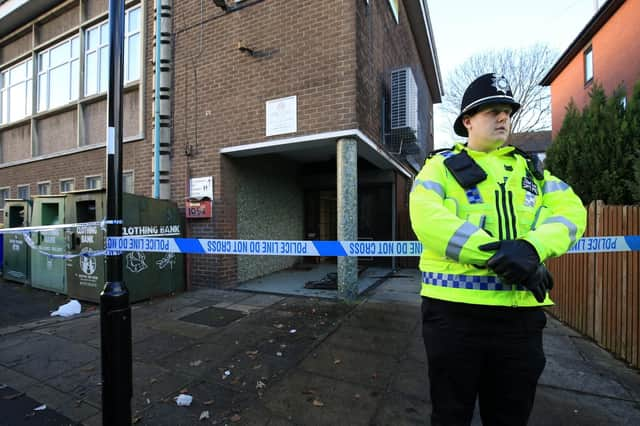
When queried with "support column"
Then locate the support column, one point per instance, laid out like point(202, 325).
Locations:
point(347, 193)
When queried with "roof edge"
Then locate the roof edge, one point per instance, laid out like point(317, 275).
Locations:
point(593, 26)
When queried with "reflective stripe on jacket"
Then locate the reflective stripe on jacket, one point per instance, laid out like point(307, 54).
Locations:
point(452, 222)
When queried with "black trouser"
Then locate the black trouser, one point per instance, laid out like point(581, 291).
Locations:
point(493, 353)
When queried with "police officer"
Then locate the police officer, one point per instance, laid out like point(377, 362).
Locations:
point(488, 215)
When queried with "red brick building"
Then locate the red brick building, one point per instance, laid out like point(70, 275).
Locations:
point(606, 51)
point(257, 96)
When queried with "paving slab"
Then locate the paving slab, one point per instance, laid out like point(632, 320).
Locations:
point(402, 410)
point(290, 361)
point(373, 370)
point(46, 356)
point(311, 399)
point(18, 410)
point(567, 408)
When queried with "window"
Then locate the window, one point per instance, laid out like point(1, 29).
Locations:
point(394, 8)
point(67, 185)
point(588, 65)
point(127, 181)
point(623, 103)
point(23, 192)
point(97, 53)
point(93, 182)
point(5, 194)
point(44, 188)
point(15, 92)
point(96, 57)
point(132, 45)
point(58, 74)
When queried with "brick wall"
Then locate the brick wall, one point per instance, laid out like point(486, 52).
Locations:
point(302, 49)
point(334, 55)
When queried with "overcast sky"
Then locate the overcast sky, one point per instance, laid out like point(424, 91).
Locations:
point(463, 28)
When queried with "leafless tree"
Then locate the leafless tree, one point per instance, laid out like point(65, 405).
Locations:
point(524, 68)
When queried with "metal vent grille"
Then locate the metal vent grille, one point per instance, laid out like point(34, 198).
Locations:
point(404, 100)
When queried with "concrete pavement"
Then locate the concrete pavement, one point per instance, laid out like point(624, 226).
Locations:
point(262, 359)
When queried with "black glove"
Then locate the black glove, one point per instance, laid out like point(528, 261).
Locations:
point(514, 261)
point(539, 282)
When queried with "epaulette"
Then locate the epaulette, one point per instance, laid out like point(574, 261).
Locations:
point(445, 152)
point(533, 162)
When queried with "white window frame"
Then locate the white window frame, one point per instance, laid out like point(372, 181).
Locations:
point(102, 31)
point(41, 185)
point(102, 46)
point(129, 34)
point(73, 184)
point(133, 181)
point(87, 179)
point(588, 65)
point(394, 5)
point(6, 86)
point(20, 187)
point(71, 65)
point(4, 198)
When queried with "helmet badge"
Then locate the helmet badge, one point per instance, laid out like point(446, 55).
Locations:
point(500, 83)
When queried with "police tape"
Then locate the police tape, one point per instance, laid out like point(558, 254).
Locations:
point(116, 245)
point(64, 256)
point(45, 228)
point(264, 247)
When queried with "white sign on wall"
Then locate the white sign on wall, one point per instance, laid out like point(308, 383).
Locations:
point(201, 187)
point(281, 116)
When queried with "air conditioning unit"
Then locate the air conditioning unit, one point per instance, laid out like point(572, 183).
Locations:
point(404, 100)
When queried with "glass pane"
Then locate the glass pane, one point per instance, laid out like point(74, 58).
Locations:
point(133, 58)
point(59, 92)
point(23, 192)
point(75, 47)
point(17, 74)
point(4, 80)
point(104, 33)
point(127, 182)
point(93, 38)
point(18, 101)
point(29, 68)
point(75, 78)
point(43, 90)
point(43, 61)
point(133, 20)
point(60, 54)
point(91, 74)
point(104, 69)
point(588, 65)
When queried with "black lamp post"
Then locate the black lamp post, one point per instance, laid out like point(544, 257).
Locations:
point(115, 310)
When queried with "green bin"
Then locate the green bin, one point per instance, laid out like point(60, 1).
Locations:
point(85, 274)
point(145, 274)
point(16, 252)
point(48, 272)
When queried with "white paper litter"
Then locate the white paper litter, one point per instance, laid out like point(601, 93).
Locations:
point(183, 400)
point(40, 408)
point(204, 415)
point(68, 309)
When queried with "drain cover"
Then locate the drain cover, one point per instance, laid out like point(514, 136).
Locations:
point(213, 317)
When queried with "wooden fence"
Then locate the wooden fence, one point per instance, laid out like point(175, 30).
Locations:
point(598, 294)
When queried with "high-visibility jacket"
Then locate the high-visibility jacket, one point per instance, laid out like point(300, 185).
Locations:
point(452, 222)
